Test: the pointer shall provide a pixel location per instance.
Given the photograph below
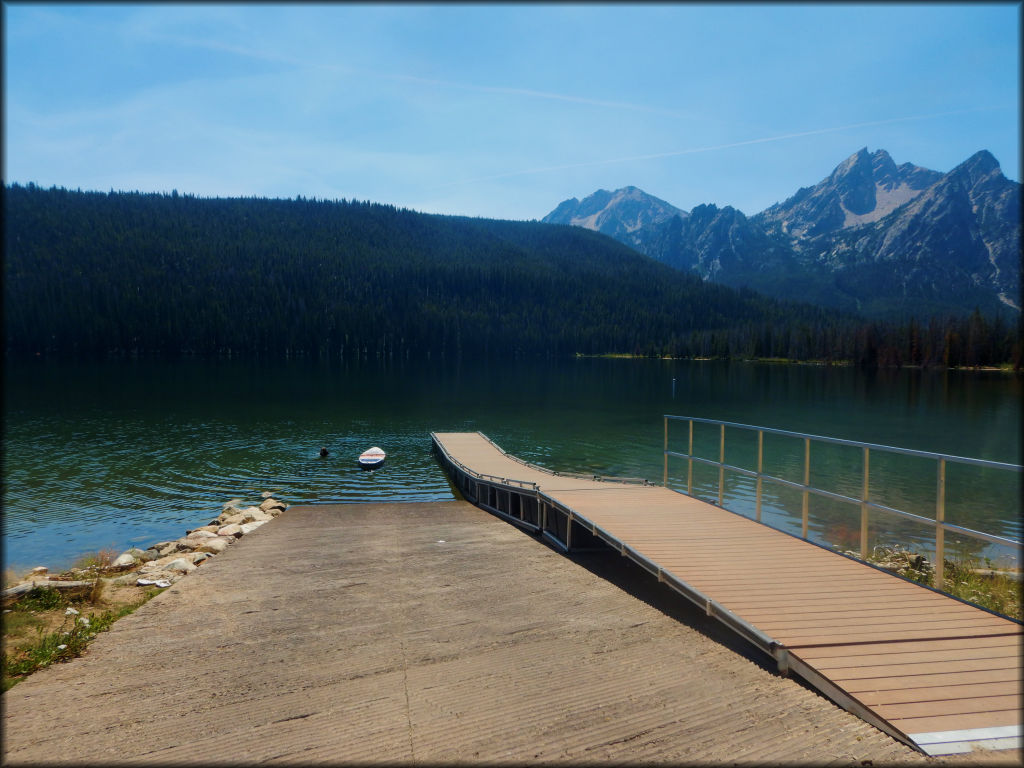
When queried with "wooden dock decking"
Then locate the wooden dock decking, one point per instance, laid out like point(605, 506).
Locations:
point(936, 673)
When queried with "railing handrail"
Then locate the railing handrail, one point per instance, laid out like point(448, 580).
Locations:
point(481, 475)
point(951, 527)
point(939, 522)
point(575, 475)
point(859, 444)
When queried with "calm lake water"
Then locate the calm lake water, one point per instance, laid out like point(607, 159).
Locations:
point(129, 453)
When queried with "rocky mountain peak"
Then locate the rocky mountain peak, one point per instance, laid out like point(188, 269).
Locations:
point(618, 213)
point(854, 181)
point(981, 166)
point(884, 170)
point(862, 189)
point(872, 235)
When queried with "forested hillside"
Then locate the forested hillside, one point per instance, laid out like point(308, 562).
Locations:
point(90, 273)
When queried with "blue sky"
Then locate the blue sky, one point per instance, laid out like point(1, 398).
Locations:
point(500, 110)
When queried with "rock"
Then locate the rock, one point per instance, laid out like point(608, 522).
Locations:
point(124, 560)
point(170, 549)
point(199, 557)
point(249, 514)
point(125, 579)
point(215, 545)
point(235, 519)
point(181, 565)
point(39, 570)
point(266, 494)
point(149, 554)
point(211, 528)
point(275, 512)
point(250, 527)
point(202, 534)
point(164, 561)
point(260, 516)
point(232, 503)
point(269, 504)
point(234, 529)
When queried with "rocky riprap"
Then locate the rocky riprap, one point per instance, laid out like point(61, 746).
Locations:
point(168, 561)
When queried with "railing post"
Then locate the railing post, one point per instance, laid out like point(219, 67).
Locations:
point(664, 480)
point(721, 462)
point(940, 532)
point(760, 467)
point(864, 510)
point(689, 469)
point(807, 482)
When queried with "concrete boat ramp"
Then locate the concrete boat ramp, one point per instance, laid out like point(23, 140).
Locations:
point(423, 633)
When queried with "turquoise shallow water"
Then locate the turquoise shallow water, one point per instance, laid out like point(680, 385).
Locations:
point(127, 453)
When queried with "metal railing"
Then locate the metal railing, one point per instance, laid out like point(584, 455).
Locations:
point(864, 502)
point(554, 473)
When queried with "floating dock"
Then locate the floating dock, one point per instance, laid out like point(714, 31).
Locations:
point(938, 674)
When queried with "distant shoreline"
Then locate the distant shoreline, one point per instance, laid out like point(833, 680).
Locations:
point(1005, 367)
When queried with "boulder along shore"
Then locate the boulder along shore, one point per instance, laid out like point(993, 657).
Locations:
point(167, 561)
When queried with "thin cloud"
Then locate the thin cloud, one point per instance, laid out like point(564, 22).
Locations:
point(713, 148)
point(529, 93)
point(263, 55)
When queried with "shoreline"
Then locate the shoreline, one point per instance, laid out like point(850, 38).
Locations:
point(165, 561)
point(50, 618)
point(836, 363)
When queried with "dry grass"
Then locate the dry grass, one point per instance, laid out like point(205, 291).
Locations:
point(11, 578)
point(966, 579)
point(101, 558)
point(45, 626)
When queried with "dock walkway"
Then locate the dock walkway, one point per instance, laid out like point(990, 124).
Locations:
point(420, 633)
point(936, 673)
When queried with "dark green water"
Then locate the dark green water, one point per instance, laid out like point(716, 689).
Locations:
point(129, 453)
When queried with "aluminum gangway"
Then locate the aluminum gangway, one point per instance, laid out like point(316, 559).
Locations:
point(934, 672)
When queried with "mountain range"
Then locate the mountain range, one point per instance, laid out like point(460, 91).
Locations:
point(888, 241)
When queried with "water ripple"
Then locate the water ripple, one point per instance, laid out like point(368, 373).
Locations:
point(138, 453)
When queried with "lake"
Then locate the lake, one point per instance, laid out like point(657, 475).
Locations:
point(127, 453)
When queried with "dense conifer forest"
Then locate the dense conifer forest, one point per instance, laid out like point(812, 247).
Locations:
point(97, 274)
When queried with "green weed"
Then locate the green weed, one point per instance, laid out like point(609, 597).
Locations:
point(40, 599)
point(65, 643)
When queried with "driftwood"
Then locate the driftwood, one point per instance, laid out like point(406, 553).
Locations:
point(28, 586)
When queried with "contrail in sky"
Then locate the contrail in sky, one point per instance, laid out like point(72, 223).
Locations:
point(534, 94)
point(696, 150)
point(266, 55)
